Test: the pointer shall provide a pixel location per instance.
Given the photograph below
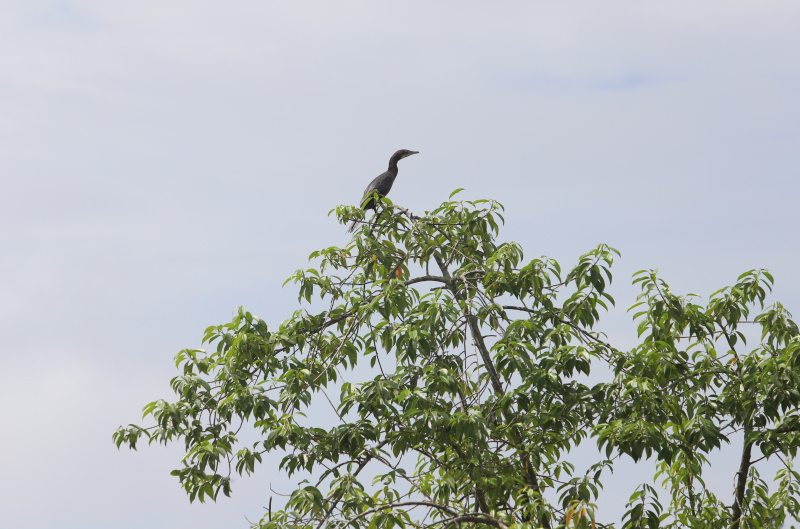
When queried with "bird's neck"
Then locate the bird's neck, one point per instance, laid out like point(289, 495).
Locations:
point(393, 165)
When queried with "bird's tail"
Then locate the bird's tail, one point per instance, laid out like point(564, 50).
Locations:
point(352, 226)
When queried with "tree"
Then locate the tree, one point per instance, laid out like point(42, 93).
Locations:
point(466, 378)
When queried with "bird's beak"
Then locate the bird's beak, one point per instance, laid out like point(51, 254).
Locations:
point(410, 153)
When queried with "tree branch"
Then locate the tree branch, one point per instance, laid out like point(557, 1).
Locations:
point(474, 328)
point(439, 279)
point(361, 466)
point(741, 481)
point(431, 504)
point(472, 518)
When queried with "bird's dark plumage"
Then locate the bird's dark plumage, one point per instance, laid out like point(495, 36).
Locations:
point(382, 183)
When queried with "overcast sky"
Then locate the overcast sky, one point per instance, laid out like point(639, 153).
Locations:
point(165, 161)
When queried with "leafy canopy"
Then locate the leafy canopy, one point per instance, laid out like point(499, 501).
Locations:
point(457, 379)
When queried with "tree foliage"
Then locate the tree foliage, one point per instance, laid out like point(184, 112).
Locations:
point(457, 378)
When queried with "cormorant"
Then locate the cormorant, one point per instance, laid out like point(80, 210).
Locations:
point(382, 183)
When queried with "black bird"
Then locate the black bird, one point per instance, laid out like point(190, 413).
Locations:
point(382, 183)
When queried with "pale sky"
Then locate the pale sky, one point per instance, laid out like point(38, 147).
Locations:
point(164, 162)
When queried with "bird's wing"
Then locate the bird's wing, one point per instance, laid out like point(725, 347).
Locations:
point(367, 199)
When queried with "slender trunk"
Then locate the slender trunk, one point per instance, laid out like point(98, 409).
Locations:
point(741, 480)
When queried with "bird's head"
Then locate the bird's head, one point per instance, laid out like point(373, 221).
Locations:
point(403, 153)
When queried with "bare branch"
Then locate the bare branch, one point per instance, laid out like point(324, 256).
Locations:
point(472, 518)
point(439, 279)
point(431, 504)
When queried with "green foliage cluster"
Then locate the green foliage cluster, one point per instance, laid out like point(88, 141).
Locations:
point(461, 377)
